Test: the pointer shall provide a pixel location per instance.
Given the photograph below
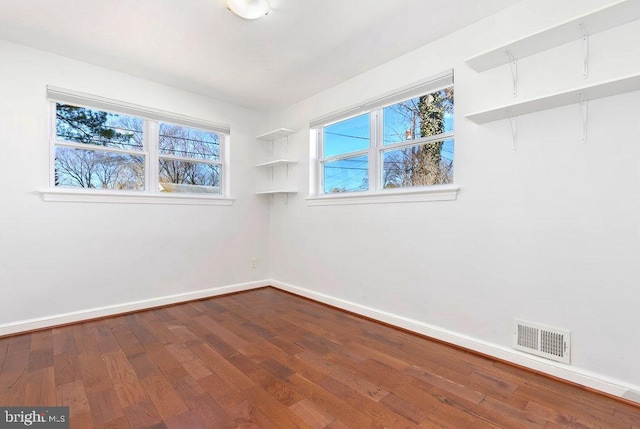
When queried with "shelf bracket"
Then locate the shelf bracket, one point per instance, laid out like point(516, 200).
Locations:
point(585, 50)
point(583, 117)
point(514, 133)
point(513, 64)
point(285, 145)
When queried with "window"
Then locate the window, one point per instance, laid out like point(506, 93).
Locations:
point(404, 140)
point(96, 149)
point(117, 148)
point(417, 141)
point(189, 160)
point(345, 158)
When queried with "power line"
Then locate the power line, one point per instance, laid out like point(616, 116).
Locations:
point(346, 168)
point(190, 140)
point(347, 135)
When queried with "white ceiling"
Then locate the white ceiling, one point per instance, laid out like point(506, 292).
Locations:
point(302, 47)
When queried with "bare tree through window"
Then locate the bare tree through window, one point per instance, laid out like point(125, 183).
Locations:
point(109, 160)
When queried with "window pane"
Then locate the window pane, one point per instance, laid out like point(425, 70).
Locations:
point(346, 175)
point(96, 127)
point(423, 116)
point(347, 136)
point(189, 142)
point(79, 168)
point(191, 177)
point(423, 165)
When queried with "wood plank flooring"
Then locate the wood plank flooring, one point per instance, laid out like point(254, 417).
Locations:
point(267, 359)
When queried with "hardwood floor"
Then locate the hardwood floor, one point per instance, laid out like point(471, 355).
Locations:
point(267, 359)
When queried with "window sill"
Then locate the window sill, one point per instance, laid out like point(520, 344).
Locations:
point(76, 196)
point(410, 195)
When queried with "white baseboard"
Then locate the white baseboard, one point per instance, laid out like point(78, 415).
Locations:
point(556, 369)
point(111, 310)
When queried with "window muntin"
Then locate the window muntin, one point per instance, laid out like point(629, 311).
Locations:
point(410, 143)
point(97, 149)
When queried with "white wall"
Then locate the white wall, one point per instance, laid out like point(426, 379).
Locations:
point(549, 234)
point(57, 258)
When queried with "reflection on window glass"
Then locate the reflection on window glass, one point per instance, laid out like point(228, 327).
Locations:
point(347, 136)
point(79, 168)
point(346, 175)
point(424, 116)
point(192, 177)
point(96, 127)
point(189, 142)
point(422, 165)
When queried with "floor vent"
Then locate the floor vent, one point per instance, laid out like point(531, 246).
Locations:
point(540, 340)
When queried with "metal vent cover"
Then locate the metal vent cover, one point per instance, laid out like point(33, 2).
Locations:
point(541, 340)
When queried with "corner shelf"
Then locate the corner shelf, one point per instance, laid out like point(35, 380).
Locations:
point(284, 192)
point(276, 134)
point(551, 101)
point(277, 163)
point(600, 20)
point(272, 137)
point(277, 191)
point(271, 165)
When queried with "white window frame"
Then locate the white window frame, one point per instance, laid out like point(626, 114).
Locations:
point(368, 151)
point(375, 152)
point(151, 125)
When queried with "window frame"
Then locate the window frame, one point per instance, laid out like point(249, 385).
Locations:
point(152, 118)
point(375, 192)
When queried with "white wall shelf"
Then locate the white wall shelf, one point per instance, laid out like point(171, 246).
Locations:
point(577, 95)
point(603, 19)
point(277, 163)
point(283, 192)
point(276, 134)
point(277, 191)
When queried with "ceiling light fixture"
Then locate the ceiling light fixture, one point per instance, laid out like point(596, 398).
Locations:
point(249, 9)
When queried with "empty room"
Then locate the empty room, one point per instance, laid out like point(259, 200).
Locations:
point(320, 214)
